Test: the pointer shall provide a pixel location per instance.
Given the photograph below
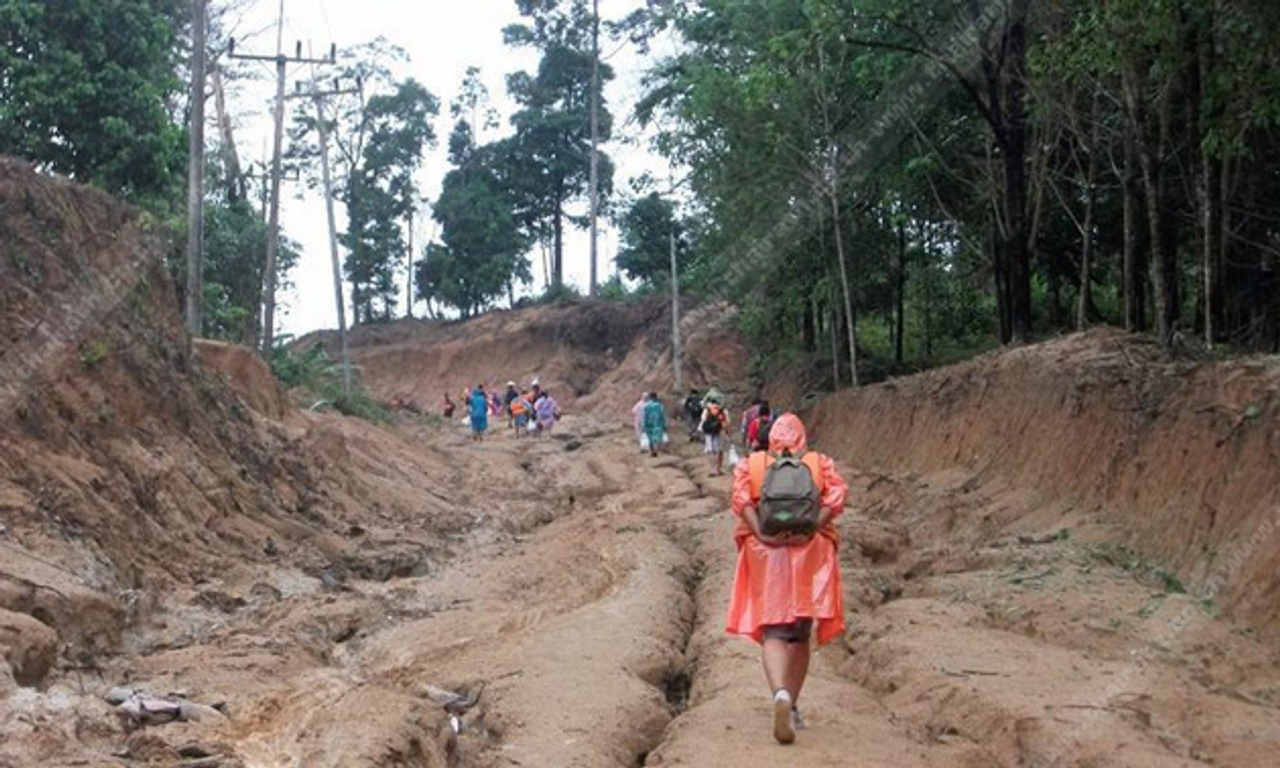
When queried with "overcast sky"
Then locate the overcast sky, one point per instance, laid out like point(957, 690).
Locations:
point(443, 38)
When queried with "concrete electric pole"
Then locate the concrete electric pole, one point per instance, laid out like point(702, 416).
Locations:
point(322, 127)
point(273, 215)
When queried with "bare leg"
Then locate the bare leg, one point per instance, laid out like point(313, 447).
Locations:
point(776, 656)
point(797, 668)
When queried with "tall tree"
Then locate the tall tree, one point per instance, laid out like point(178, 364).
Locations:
point(381, 191)
point(553, 125)
point(647, 225)
point(84, 90)
point(483, 249)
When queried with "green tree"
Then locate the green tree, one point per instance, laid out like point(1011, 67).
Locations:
point(483, 250)
point(552, 142)
point(84, 91)
point(381, 191)
point(647, 226)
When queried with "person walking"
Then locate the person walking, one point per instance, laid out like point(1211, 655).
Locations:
point(655, 423)
point(748, 416)
point(637, 420)
point(714, 421)
point(508, 398)
point(548, 412)
point(479, 407)
point(692, 412)
point(521, 413)
point(787, 582)
point(758, 429)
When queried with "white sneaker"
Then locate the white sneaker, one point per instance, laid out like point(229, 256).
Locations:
point(797, 722)
point(782, 728)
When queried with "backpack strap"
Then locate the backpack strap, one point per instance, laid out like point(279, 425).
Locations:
point(757, 464)
point(813, 461)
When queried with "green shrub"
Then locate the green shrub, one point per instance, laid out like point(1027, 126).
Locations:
point(94, 353)
point(313, 370)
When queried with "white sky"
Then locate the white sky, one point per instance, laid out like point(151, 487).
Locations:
point(443, 38)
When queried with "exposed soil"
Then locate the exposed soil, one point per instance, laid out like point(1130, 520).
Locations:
point(1104, 434)
point(592, 355)
point(348, 594)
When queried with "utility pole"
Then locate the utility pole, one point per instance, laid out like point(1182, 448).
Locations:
point(195, 172)
point(322, 126)
point(595, 140)
point(273, 216)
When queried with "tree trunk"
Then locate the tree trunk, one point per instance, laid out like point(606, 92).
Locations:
point(1160, 230)
point(230, 158)
point(1055, 295)
point(1015, 176)
point(999, 261)
point(808, 333)
point(546, 265)
point(844, 286)
point(927, 291)
point(595, 141)
point(1208, 196)
point(1086, 238)
point(835, 349)
point(408, 290)
point(557, 254)
point(1132, 289)
point(899, 295)
point(1163, 253)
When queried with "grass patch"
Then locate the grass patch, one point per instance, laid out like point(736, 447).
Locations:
point(95, 353)
point(1124, 558)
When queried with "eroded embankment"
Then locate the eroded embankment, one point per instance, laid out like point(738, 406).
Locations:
point(1177, 460)
point(594, 356)
point(138, 491)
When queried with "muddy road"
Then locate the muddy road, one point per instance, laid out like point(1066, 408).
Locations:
point(577, 620)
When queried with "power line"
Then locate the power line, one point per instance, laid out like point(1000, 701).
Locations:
point(273, 215)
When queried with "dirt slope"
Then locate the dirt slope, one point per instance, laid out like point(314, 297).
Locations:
point(593, 356)
point(350, 594)
point(128, 470)
point(1177, 460)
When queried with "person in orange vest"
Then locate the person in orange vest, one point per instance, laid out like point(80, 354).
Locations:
point(787, 583)
point(521, 413)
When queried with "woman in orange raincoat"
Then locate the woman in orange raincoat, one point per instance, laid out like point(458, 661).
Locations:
point(785, 585)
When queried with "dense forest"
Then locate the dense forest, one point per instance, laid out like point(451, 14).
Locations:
point(879, 185)
point(1092, 162)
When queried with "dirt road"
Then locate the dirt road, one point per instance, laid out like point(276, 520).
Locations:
point(578, 622)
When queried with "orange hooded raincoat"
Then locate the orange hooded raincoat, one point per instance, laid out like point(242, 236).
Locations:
point(780, 584)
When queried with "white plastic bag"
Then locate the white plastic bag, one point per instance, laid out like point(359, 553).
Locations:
point(734, 458)
point(644, 441)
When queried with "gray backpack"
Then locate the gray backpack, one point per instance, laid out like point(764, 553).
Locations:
point(790, 500)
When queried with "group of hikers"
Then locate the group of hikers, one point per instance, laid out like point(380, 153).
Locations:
point(786, 591)
point(531, 411)
point(786, 588)
point(706, 420)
